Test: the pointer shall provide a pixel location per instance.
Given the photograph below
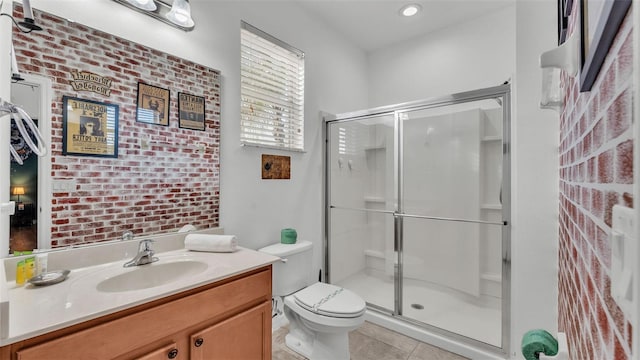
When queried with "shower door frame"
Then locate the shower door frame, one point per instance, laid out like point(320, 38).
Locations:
point(503, 91)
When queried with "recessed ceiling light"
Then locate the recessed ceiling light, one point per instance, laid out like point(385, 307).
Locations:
point(410, 10)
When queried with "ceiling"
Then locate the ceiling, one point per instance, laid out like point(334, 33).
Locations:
point(375, 24)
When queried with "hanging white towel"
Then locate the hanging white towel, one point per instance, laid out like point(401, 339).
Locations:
point(211, 243)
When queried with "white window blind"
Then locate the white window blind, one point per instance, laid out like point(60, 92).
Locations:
point(272, 91)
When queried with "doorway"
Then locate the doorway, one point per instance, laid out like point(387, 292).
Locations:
point(30, 182)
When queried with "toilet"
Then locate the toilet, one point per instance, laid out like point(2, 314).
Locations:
point(320, 315)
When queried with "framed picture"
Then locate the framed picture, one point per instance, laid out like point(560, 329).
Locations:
point(191, 110)
point(89, 128)
point(563, 19)
point(153, 105)
point(600, 20)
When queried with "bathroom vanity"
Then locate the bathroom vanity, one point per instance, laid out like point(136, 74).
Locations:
point(220, 312)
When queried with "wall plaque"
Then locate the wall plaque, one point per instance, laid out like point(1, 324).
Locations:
point(88, 81)
point(276, 167)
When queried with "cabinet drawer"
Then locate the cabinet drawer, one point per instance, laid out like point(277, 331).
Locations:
point(126, 334)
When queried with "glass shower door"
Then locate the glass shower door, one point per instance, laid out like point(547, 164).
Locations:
point(361, 198)
point(450, 206)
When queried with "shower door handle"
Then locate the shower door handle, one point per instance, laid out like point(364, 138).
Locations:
point(397, 232)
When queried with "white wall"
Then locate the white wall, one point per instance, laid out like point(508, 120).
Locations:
point(469, 56)
point(253, 209)
point(535, 135)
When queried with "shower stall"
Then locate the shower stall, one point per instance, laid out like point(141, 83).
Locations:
point(417, 213)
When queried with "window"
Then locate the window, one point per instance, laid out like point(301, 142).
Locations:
point(271, 92)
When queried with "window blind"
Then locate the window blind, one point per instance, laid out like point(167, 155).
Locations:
point(271, 91)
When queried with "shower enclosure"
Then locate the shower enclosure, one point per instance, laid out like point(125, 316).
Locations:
point(418, 210)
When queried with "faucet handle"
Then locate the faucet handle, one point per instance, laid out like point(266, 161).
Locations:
point(145, 245)
point(127, 235)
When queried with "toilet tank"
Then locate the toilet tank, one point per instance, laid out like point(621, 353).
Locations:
point(295, 272)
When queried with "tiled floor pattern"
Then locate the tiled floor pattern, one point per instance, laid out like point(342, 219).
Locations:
point(372, 342)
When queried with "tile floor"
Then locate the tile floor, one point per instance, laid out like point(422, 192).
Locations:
point(372, 342)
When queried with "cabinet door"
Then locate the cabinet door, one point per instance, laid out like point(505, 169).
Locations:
point(169, 351)
point(243, 336)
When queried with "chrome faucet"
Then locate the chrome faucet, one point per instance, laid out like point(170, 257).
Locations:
point(144, 255)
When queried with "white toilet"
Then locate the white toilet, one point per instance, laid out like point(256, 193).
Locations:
point(320, 315)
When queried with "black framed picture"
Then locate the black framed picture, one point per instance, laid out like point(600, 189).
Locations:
point(89, 128)
point(153, 105)
point(600, 21)
point(563, 19)
point(191, 110)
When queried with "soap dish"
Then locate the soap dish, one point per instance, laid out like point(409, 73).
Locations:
point(49, 278)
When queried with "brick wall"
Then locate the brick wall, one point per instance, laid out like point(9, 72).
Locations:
point(596, 172)
point(145, 190)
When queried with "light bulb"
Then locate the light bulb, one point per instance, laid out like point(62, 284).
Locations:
point(148, 5)
point(410, 10)
point(180, 13)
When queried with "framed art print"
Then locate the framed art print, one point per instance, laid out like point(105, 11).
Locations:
point(153, 105)
point(191, 110)
point(89, 128)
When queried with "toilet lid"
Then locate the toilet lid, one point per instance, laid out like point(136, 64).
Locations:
point(330, 300)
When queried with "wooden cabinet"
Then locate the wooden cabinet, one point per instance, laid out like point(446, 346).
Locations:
point(231, 317)
point(166, 352)
point(238, 338)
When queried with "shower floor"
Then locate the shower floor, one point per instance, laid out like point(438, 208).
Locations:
point(479, 319)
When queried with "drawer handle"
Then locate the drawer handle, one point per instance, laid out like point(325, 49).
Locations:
point(199, 342)
point(173, 354)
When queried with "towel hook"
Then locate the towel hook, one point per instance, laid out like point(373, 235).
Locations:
point(20, 118)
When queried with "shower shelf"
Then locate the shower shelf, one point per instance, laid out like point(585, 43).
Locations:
point(492, 138)
point(374, 199)
point(378, 147)
point(491, 277)
point(491, 207)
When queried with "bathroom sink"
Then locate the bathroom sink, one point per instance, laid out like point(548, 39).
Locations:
point(151, 275)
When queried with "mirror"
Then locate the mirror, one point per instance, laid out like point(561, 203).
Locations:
point(164, 177)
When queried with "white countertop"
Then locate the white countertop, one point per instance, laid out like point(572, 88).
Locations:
point(37, 310)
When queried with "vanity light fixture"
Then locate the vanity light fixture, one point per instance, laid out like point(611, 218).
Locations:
point(176, 13)
point(410, 10)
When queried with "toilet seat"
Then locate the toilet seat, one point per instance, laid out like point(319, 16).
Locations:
point(330, 300)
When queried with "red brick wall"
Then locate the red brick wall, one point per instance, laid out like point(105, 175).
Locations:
point(147, 191)
point(596, 172)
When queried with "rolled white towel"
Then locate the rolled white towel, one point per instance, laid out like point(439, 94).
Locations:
point(211, 243)
point(187, 228)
